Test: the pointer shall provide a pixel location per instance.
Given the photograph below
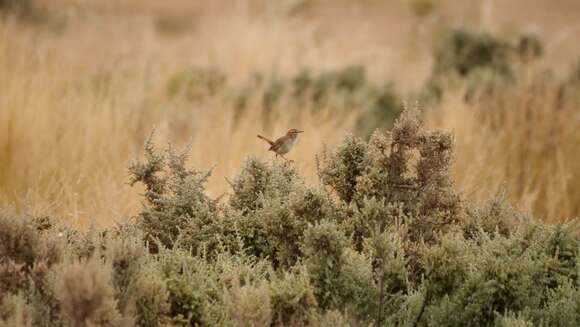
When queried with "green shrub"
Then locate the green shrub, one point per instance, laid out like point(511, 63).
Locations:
point(332, 318)
point(511, 320)
point(285, 221)
point(482, 60)
point(21, 243)
point(259, 180)
point(151, 297)
point(561, 308)
point(26, 255)
point(385, 241)
point(356, 292)
point(463, 52)
point(342, 169)
point(249, 305)
point(507, 274)
point(176, 203)
point(383, 169)
point(494, 216)
point(195, 297)
point(292, 297)
point(86, 295)
point(383, 107)
point(389, 264)
point(337, 272)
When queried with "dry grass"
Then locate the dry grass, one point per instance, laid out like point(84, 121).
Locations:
point(79, 95)
point(69, 127)
point(524, 142)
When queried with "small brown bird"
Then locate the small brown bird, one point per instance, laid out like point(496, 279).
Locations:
point(284, 144)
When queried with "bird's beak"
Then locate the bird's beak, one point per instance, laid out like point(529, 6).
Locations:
point(300, 131)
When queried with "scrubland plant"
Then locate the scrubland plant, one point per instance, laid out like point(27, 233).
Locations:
point(14, 311)
point(292, 297)
point(480, 60)
point(312, 88)
point(385, 240)
point(409, 168)
point(86, 294)
point(176, 203)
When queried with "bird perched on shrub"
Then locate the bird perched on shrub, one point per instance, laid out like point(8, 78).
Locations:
point(284, 144)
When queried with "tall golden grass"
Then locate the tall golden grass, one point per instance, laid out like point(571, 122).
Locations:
point(524, 141)
point(70, 126)
point(80, 93)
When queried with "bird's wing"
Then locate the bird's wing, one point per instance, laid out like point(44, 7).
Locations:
point(277, 144)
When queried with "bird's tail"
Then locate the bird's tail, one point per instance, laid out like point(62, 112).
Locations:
point(265, 139)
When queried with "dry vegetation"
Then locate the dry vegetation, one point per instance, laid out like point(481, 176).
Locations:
point(407, 225)
point(83, 84)
point(384, 241)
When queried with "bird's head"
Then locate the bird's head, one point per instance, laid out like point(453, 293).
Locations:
point(293, 132)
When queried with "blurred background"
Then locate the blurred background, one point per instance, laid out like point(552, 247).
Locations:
point(83, 83)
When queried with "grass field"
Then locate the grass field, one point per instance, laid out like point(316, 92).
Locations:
point(458, 211)
point(83, 84)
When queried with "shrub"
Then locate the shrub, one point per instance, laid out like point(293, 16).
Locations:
point(463, 52)
point(383, 107)
point(86, 295)
point(249, 305)
point(337, 272)
point(570, 86)
point(292, 297)
point(324, 246)
point(484, 61)
point(342, 169)
point(259, 181)
point(26, 255)
point(151, 297)
point(195, 297)
point(507, 274)
point(176, 202)
point(561, 308)
point(385, 241)
point(356, 292)
point(21, 243)
point(14, 311)
point(285, 221)
point(389, 270)
point(383, 168)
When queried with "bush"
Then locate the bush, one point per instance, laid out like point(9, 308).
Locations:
point(324, 246)
point(14, 311)
point(259, 180)
point(385, 241)
point(249, 305)
point(150, 296)
point(480, 59)
point(26, 254)
point(292, 297)
point(86, 295)
point(176, 203)
point(383, 169)
point(195, 297)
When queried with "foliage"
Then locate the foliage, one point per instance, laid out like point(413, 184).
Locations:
point(384, 241)
point(176, 203)
point(482, 60)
